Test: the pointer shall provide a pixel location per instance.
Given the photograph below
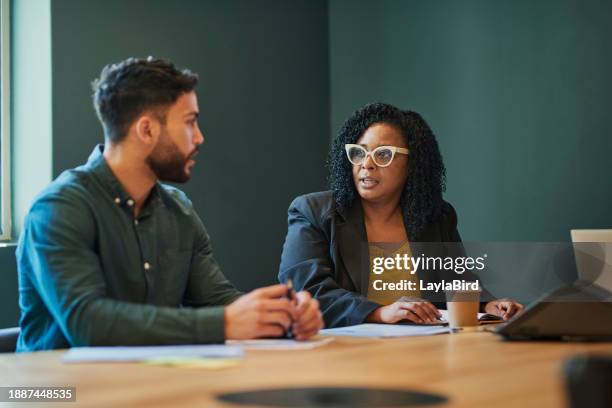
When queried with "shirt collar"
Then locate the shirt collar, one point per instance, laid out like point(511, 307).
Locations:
point(97, 164)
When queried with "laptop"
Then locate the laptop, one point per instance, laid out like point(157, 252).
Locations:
point(593, 252)
point(581, 311)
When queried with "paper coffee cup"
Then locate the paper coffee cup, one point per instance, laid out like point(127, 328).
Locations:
point(462, 308)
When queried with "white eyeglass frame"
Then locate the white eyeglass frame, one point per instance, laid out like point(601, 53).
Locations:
point(394, 150)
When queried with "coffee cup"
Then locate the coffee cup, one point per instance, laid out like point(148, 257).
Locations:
point(462, 308)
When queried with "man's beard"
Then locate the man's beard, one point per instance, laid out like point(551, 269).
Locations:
point(167, 161)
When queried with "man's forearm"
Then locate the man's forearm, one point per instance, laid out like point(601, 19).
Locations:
point(109, 322)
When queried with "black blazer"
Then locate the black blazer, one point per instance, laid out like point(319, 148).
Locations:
point(326, 253)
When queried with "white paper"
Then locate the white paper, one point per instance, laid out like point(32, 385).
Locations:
point(124, 354)
point(385, 330)
point(280, 344)
point(444, 313)
point(443, 320)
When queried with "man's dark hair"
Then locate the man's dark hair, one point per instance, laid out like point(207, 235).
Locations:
point(129, 88)
point(421, 199)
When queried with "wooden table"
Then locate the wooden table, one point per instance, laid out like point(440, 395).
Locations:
point(475, 369)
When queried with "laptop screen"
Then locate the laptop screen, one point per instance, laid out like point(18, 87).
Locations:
point(593, 253)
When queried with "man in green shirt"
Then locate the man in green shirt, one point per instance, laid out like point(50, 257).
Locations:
point(111, 256)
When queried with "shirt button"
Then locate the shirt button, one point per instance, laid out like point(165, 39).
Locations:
point(147, 266)
point(117, 200)
point(130, 202)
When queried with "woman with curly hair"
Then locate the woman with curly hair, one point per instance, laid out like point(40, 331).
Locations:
point(386, 179)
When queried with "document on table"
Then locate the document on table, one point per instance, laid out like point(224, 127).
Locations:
point(444, 313)
point(141, 353)
point(443, 319)
point(385, 330)
point(280, 344)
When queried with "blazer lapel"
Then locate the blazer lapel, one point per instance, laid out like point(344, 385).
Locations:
point(353, 246)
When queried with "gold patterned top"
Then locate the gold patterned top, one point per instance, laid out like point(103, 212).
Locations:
point(400, 277)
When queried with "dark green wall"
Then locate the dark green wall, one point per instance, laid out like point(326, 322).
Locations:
point(517, 92)
point(9, 309)
point(264, 102)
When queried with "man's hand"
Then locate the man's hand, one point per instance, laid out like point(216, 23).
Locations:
point(309, 319)
point(504, 308)
point(406, 308)
point(264, 312)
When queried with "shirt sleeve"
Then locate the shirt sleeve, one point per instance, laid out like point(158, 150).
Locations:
point(207, 285)
point(307, 262)
point(58, 250)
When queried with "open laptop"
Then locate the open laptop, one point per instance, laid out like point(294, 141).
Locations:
point(593, 252)
point(582, 311)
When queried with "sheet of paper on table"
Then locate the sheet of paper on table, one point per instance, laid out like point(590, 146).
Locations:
point(444, 317)
point(281, 344)
point(385, 330)
point(140, 353)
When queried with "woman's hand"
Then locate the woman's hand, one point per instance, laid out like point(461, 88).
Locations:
point(406, 308)
point(504, 308)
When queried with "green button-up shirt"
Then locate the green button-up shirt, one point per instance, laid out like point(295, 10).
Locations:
point(91, 274)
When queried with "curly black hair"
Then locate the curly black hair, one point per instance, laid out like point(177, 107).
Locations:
point(421, 200)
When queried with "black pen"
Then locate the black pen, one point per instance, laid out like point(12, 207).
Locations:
point(291, 296)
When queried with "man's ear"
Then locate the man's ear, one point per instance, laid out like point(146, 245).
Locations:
point(148, 129)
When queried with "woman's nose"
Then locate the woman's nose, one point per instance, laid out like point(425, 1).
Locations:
point(368, 163)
